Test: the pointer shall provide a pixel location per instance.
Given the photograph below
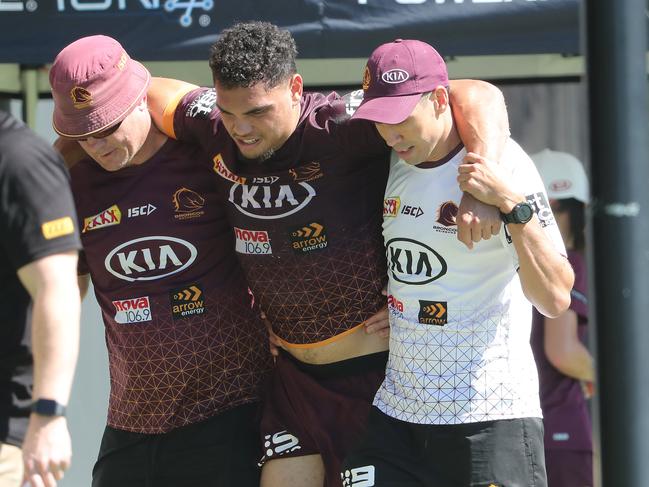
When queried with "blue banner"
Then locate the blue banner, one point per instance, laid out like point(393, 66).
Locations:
point(33, 31)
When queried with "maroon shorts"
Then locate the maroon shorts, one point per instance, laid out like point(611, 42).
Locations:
point(569, 468)
point(310, 409)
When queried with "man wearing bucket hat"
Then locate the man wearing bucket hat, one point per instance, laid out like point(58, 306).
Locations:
point(459, 402)
point(187, 350)
point(305, 187)
point(566, 370)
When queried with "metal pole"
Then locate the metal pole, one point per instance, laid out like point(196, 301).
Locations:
point(29, 80)
point(619, 140)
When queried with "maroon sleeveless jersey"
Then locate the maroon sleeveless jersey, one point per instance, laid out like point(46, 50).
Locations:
point(307, 221)
point(184, 342)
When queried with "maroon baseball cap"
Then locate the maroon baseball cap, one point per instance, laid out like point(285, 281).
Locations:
point(95, 85)
point(396, 75)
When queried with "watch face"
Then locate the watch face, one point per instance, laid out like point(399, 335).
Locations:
point(523, 212)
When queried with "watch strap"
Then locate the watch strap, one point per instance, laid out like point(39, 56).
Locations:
point(48, 407)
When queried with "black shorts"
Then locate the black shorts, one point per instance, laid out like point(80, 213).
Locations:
point(503, 453)
point(219, 452)
point(310, 409)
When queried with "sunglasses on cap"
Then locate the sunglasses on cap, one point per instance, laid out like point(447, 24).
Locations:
point(103, 134)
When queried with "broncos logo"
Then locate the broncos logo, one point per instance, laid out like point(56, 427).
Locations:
point(447, 214)
point(308, 172)
point(81, 98)
point(185, 200)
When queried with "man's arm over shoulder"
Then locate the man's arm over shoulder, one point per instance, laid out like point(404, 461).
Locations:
point(163, 97)
point(545, 273)
point(482, 123)
point(480, 116)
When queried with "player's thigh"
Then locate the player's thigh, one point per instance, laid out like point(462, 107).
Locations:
point(304, 471)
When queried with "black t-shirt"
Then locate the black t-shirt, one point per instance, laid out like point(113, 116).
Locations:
point(37, 219)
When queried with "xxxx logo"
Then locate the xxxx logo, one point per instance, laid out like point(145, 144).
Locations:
point(108, 217)
point(222, 170)
point(309, 237)
point(433, 312)
point(391, 206)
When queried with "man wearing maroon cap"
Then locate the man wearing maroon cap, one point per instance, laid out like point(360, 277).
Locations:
point(187, 349)
point(304, 187)
point(459, 404)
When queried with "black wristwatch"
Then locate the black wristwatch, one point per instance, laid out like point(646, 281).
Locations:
point(48, 407)
point(521, 213)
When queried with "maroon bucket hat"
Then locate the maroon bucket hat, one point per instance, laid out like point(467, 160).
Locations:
point(396, 75)
point(95, 85)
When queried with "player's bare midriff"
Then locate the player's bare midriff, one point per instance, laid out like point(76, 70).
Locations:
point(353, 343)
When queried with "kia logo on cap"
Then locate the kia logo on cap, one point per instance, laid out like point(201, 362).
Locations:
point(395, 76)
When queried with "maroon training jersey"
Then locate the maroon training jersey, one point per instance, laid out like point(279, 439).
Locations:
point(565, 411)
point(183, 341)
point(307, 221)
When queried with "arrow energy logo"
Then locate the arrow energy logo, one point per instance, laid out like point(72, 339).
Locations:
point(309, 237)
point(187, 301)
point(432, 312)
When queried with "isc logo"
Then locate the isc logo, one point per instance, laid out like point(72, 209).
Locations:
point(150, 258)
point(415, 211)
point(144, 210)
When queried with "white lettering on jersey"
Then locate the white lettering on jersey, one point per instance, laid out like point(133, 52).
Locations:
point(150, 258)
point(271, 202)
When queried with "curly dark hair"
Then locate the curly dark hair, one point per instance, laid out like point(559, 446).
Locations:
point(253, 52)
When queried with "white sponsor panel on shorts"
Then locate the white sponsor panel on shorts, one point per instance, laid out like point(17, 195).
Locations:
point(358, 477)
